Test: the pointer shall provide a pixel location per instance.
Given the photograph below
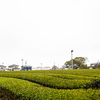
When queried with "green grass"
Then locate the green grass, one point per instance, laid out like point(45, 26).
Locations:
point(50, 85)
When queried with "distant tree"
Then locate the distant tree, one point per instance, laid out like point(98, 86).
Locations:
point(79, 61)
point(67, 63)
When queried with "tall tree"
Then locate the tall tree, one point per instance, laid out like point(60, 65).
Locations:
point(79, 61)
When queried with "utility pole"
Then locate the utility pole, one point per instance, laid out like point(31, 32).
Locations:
point(72, 57)
point(54, 63)
point(22, 62)
point(41, 64)
point(26, 63)
point(58, 65)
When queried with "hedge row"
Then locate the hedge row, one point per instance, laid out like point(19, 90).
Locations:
point(24, 90)
point(83, 72)
point(50, 81)
point(73, 77)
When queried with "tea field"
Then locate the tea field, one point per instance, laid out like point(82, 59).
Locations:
point(82, 84)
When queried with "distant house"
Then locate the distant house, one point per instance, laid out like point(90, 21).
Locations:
point(64, 66)
point(7, 69)
point(55, 67)
point(47, 67)
point(95, 65)
point(26, 68)
point(2, 67)
point(90, 68)
point(42, 68)
point(39, 68)
point(75, 66)
point(15, 69)
point(12, 67)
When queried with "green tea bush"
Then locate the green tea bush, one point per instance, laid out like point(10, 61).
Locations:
point(73, 77)
point(25, 90)
point(50, 81)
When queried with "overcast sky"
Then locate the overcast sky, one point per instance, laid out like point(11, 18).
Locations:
point(45, 31)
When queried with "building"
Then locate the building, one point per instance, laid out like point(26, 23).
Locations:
point(26, 68)
point(66, 67)
point(2, 67)
point(13, 67)
point(47, 68)
point(55, 67)
point(95, 65)
point(42, 68)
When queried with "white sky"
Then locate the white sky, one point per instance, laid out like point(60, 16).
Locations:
point(45, 31)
